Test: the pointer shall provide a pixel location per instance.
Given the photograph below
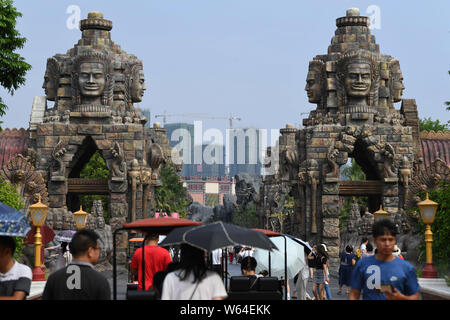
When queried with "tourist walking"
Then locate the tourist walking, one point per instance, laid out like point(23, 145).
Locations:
point(79, 280)
point(15, 278)
point(320, 272)
point(217, 262)
point(383, 275)
point(155, 259)
point(345, 268)
point(369, 250)
point(192, 280)
point(302, 282)
point(363, 247)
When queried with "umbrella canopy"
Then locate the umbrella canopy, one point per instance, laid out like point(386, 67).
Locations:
point(47, 235)
point(65, 236)
point(218, 235)
point(159, 225)
point(12, 222)
point(295, 258)
point(307, 246)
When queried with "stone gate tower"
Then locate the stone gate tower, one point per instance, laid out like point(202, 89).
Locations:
point(94, 87)
point(355, 88)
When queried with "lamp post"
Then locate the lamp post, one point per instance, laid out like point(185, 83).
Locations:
point(428, 210)
point(38, 212)
point(80, 218)
point(380, 213)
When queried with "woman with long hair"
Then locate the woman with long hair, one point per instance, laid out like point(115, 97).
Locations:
point(192, 280)
point(320, 273)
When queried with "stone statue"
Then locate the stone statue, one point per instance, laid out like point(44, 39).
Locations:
point(388, 152)
point(396, 86)
point(146, 180)
point(58, 221)
point(67, 221)
point(51, 79)
point(58, 168)
point(357, 79)
point(136, 83)
point(134, 180)
point(368, 220)
point(92, 79)
point(316, 83)
point(118, 166)
point(313, 180)
point(354, 219)
point(91, 222)
point(97, 208)
point(105, 243)
point(49, 219)
point(332, 165)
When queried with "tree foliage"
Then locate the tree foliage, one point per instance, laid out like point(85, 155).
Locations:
point(172, 196)
point(353, 172)
point(427, 125)
point(95, 168)
point(246, 218)
point(12, 65)
point(10, 197)
point(440, 227)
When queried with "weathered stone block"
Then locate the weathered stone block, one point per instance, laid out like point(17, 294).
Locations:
point(51, 141)
point(76, 140)
point(57, 188)
point(89, 129)
point(330, 188)
point(330, 228)
point(45, 130)
point(103, 144)
point(57, 201)
point(60, 130)
point(128, 145)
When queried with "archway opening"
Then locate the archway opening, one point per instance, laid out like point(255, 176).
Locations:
point(88, 179)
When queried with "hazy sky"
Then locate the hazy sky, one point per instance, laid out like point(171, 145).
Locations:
point(245, 57)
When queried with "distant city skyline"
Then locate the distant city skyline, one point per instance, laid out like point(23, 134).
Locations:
point(245, 58)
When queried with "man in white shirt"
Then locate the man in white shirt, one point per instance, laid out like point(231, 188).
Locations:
point(217, 262)
point(15, 278)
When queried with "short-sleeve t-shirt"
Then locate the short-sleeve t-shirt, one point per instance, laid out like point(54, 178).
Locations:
point(77, 281)
point(320, 262)
point(346, 259)
point(209, 287)
point(156, 259)
point(370, 273)
point(18, 278)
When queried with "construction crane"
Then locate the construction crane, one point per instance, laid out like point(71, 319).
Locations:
point(197, 115)
point(165, 115)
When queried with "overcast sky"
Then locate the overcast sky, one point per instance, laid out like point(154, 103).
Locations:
point(245, 57)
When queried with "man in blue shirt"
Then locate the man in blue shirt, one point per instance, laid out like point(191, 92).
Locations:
point(384, 276)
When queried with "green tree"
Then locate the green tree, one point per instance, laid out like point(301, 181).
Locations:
point(172, 196)
point(12, 66)
point(246, 218)
point(10, 197)
point(351, 172)
point(95, 168)
point(427, 125)
point(440, 228)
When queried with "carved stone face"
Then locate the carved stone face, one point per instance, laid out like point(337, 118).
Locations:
point(49, 87)
point(91, 79)
point(138, 86)
point(58, 222)
point(358, 80)
point(397, 85)
point(67, 222)
point(100, 223)
point(313, 89)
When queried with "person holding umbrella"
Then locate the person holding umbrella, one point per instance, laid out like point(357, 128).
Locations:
point(192, 280)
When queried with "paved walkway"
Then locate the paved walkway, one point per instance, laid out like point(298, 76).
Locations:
point(233, 270)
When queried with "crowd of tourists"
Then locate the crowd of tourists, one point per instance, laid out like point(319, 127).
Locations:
point(377, 270)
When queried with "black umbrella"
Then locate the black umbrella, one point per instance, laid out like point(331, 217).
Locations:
point(217, 235)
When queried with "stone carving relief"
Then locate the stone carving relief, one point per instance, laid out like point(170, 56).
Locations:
point(51, 79)
point(28, 183)
point(93, 81)
point(118, 165)
point(316, 83)
point(58, 168)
